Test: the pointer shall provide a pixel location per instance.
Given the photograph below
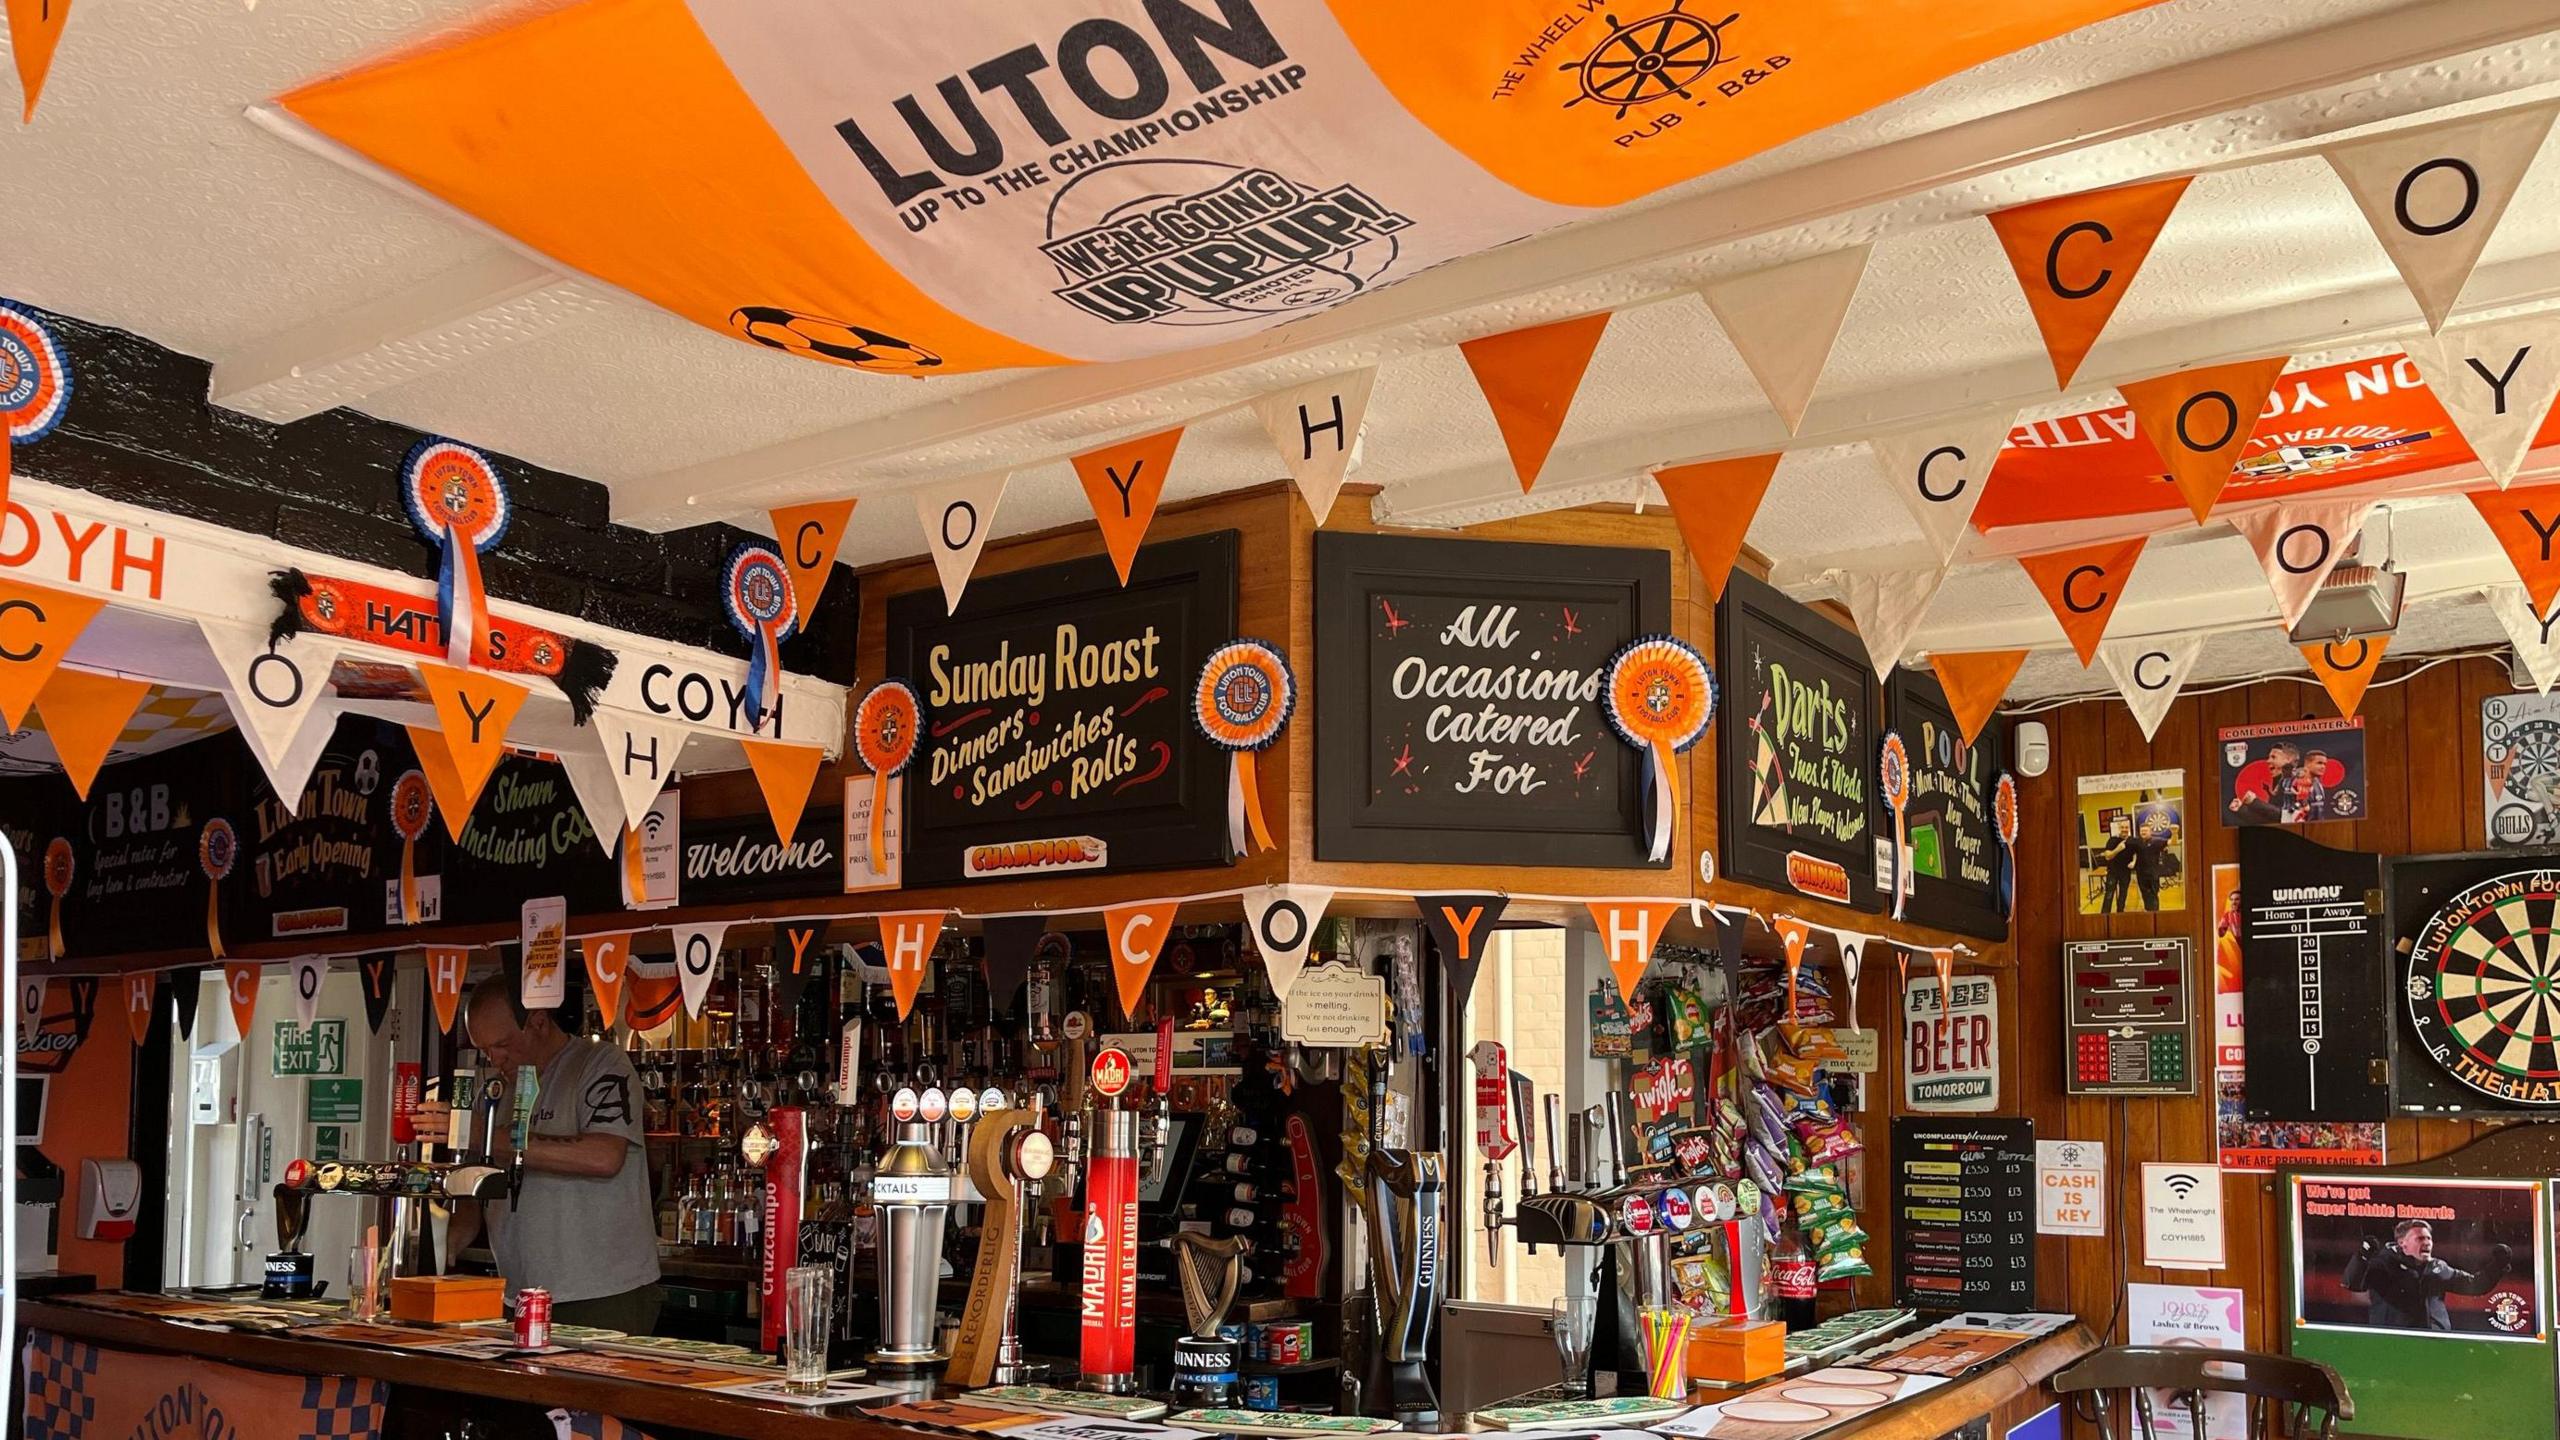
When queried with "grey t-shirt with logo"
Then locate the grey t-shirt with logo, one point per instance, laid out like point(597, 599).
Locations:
point(578, 1236)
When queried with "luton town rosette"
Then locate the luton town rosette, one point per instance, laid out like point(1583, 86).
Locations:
point(2004, 821)
point(459, 504)
point(1893, 771)
point(413, 805)
point(758, 594)
point(886, 727)
point(1243, 700)
point(217, 850)
point(1660, 693)
point(60, 867)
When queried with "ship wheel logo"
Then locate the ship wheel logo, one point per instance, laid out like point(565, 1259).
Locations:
point(1651, 59)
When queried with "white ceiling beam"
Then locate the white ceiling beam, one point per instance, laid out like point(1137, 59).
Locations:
point(1004, 424)
point(341, 359)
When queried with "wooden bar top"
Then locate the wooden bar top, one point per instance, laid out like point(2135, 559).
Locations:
point(1922, 1417)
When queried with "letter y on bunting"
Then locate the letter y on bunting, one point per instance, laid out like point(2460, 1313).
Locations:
point(1124, 482)
point(2526, 521)
point(1462, 926)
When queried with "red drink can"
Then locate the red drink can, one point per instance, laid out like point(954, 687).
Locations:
point(533, 1319)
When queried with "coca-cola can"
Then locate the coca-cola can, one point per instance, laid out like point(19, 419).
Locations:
point(533, 1318)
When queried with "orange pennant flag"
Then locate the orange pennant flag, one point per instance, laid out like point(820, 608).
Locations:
point(907, 937)
point(2345, 668)
point(444, 782)
point(84, 714)
point(1792, 933)
point(1137, 932)
point(35, 28)
point(1631, 928)
point(1529, 377)
point(1123, 483)
point(786, 773)
point(2075, 255)
point(809, 535)
point(2082, 585)
point(37, 627)
point(240, 982)
point(1714, 501)
point(138, 990)
point(446, 965)
point(474, 709)
point(1974, 681)
point(2200, 420)
point(608, 961)
point(2526, 519)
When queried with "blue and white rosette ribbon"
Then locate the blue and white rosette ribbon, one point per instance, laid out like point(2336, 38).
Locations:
point(1659, 693)
point(758, 595)
point(459, 504)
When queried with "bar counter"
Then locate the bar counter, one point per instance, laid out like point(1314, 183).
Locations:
point(1996, 1390)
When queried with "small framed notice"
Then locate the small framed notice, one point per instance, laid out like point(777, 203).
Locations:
point(1335, 1006)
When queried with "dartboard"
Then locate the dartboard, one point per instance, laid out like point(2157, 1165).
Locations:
point(2531, 754)
point(2483, 987)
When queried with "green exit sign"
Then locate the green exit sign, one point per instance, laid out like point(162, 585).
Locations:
point(336, 1102)
point(319, 1048)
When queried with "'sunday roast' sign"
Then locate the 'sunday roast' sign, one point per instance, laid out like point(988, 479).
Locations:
point(1057, 720)
point(1458, 690)
point(1798, 748)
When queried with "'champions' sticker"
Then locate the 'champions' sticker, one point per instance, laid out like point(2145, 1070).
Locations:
point(1035, 857)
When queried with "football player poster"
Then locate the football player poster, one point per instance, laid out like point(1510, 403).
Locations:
point(2133, 842)
point(2421, 1256)
point(2293, 773)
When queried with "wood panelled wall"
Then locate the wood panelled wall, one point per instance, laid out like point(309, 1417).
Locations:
point(2422, 743)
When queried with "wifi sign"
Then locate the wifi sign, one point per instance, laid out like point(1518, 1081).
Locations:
point(2182, 1216)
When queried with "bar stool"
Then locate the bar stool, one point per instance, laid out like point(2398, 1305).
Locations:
point(2286, 1396)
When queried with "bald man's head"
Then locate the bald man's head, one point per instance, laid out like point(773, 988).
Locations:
point(506, 1037)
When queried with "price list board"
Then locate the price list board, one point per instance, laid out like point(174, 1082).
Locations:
point(1964, 1213)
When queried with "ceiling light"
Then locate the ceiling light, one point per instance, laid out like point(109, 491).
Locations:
point(2362, 596)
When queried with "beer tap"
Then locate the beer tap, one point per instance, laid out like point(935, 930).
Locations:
point(1555, 1138)
point(1156, 1150)
point(1524, 1103)
point(1493, 1135)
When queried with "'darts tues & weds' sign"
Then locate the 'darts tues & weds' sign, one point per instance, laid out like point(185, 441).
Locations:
point(1057, 717)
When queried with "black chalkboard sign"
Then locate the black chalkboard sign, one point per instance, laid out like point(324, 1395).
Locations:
point(1955, 850)
point(1458, 700)
point(528, 838)
point(331, 865)
point(1057, 715)
point(1964, 1213)
point(1796, 771)
point(729, 860)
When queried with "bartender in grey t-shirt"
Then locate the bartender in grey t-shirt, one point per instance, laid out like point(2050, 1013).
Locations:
point(583, 1227)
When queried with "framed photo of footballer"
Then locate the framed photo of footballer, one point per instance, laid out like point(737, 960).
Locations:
point(2429, 1256)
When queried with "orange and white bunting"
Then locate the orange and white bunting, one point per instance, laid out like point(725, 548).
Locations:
point(2083, 586)
point(1124, 482)
point(1941, 470)
point(473, 709)
point(1713, 502)
point(1137, 933)
point(37, 627)
point(785, 773)
point(2298, 542)
point(1974, 682)
point(447, 965)
point(444, 782)
point(1784, 321)
point(139, 988)
point(83, 716)
point(1282, 920)
point(2345, 668)
point(274, 687)
point(907, 939)
point(1792, 937)
point(1889, 606)
point(808, 537)
point(2526, 521)
point(240, 986)
point(2497, 383)
point(35, 28)
point(2532, 635)
point(1316, 429)
point(1529, 378)
point(2200, 422)
point(1629, 929)
point(2149, 673)
point(309, 972)
point(608, 959)
point(957, 517)
point(2076, 255)
point(698, 962)
point(2434, 194)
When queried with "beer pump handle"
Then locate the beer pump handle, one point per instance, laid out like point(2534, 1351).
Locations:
point(1555, 1140)
point(1591, 1133)
point(1524, 1103)
point(1617, 1103)
point(1574, 1173)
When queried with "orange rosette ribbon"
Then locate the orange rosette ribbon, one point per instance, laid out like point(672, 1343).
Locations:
point(2004, 820)
point(1243, 699)
point(217, 850)
point(459, 505)
point(1659, 694)
point(61, 866)
point(886, 727)
point(413, 805)
point(1893, 770)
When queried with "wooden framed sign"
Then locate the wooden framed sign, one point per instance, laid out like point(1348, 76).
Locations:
point(1057, 717)
point(1796, 769)
point(1955, 852)
point(1458, 700)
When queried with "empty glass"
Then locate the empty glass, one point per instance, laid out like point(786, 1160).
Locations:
point(1570, 1317)
point(368, 1282)
point(808, 1293)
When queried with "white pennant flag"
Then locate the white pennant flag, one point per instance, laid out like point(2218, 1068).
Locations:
point(642, 754)
point(2531, 634)
point(1941, 470)
point(591, 780)
point(2298, 543)
point(957, 518)
point(1888, 608)
point(2497, 381)
point(2148, 673)
point(697, 960)
point(1785, 319)
point(1284, 919)
point(1316, 427)
point(30, 1006)
point(2435, 194)
point(273, 693)
point(309, 973)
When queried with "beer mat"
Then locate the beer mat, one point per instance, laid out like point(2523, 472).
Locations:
point(1273, 1422)
point(493, 1350)
point(1633, 1410)
point(1051, 1400)
point(141, 1304)
point(948, 1415)
point(1796, 1408)
point(574, 1334)
point(389, 1337)
point(1946, 1351)
point(1842, 1332)
point(644, 1369)
point(833, 1392)
point(706, 1352)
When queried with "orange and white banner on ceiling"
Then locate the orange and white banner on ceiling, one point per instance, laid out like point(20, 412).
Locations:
point(983, 183)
